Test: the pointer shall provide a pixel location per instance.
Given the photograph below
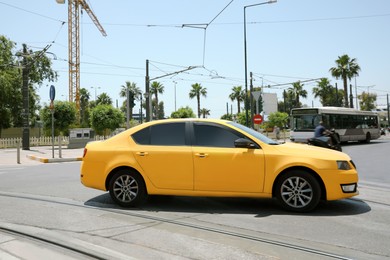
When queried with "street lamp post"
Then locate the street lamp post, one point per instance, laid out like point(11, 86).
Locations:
point(175, 93)
point(245, 56)
point(95, 91)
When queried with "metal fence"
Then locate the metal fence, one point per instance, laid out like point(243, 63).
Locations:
point(38, 141)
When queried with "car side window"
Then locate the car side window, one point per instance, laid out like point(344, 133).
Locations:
point(215, 136)
point(171, 134)
point(142, 136)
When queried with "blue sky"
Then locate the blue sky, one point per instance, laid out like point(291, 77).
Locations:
point(286, 41)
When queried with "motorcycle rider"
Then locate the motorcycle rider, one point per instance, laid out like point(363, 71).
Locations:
point(321, 133)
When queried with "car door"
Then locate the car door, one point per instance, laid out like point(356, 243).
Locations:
point(164, 155)
point(220, 166)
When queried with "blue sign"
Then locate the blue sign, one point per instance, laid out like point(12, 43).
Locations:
point(52, 92)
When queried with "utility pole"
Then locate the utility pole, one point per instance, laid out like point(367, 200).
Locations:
point(127, 109)
point(141, 109)
point(147, 93)
point(251, 97)
point(350, 96)
point(337, 95)
point(26, 103)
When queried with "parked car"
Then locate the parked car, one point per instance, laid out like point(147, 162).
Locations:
point(202, 157)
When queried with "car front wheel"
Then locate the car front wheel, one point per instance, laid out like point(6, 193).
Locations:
point(298, 191)
point(127, 188)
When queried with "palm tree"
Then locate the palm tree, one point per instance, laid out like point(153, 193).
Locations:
point(84, 98)
point(205, 112)
point(197, 91)
point(346, 68)
point(132, 88)
point(324, 91)
point(297, 91)
point(239, 95)
point(104, 99)
point(155, 89)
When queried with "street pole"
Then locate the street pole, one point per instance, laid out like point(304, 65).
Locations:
point(246, 73)
point(175, 94)
point(141, 109)
point(350, 96)
point(246, 62)
point(127, 109)
point(251, 98)
point(26, 110)
point(388, 112)
point(147, 94)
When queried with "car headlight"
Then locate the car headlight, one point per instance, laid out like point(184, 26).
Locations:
point(343, 165)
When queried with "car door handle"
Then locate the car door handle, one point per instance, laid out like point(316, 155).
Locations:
point(141, 153)
point(201, 155)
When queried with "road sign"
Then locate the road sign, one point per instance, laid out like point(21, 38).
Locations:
point(257, 119)
point(52, 92)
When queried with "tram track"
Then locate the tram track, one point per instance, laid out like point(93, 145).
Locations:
point(177, 222)
point(40, 240)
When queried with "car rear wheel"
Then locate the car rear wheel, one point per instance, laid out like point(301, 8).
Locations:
point(127, 188)
point(298, 191)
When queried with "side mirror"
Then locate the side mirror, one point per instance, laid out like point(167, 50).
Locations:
point(244, 143)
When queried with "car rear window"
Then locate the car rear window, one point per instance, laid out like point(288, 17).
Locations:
point(171, 134)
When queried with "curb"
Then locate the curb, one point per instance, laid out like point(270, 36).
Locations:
point(53, 160)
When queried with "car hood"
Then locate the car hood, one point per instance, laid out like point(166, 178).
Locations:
point(306, 150)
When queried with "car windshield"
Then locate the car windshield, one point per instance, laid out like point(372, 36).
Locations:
point(254, 133)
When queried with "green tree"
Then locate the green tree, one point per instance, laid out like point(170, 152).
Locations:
point(241, 118)
point(161, 110)
point(183, 112)
point(227, 117)
point(103, 99)
point(64, 117)
point(39, 71)
point(155, 89)
point(198, 91)
point(11, 99)
point(367, 101)
point(327, 93)
point(132, 88)
point(323, 91)
point(205, 112)
point(288, 101)
point(105, 118)
point(346, 68)
point(297, 91)
point(84, 107)
point(8, 74)
point(237, 95)
point(279, 119)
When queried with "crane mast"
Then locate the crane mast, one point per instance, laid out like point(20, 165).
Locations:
point(74, 45)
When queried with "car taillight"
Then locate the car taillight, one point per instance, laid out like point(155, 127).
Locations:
point(85, 152)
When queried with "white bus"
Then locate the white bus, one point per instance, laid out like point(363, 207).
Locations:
point(349, 124)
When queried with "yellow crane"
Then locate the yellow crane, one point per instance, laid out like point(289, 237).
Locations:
point(74, 45)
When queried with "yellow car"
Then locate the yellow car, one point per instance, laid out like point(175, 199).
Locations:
point(203, 157)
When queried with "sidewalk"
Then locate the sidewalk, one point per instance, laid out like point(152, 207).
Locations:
point(39, 155)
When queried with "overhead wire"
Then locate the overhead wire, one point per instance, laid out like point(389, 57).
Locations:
point(202, 26)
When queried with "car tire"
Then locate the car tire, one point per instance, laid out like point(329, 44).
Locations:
point(127, 188)
point(298, 191)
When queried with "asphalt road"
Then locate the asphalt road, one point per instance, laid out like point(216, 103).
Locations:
point(48, 200)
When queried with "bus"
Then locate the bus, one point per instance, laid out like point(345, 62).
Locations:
point(349, 124)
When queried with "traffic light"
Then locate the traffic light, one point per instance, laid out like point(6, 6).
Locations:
point(131, 99)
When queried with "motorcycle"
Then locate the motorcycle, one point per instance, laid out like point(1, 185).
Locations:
point(335, 141)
